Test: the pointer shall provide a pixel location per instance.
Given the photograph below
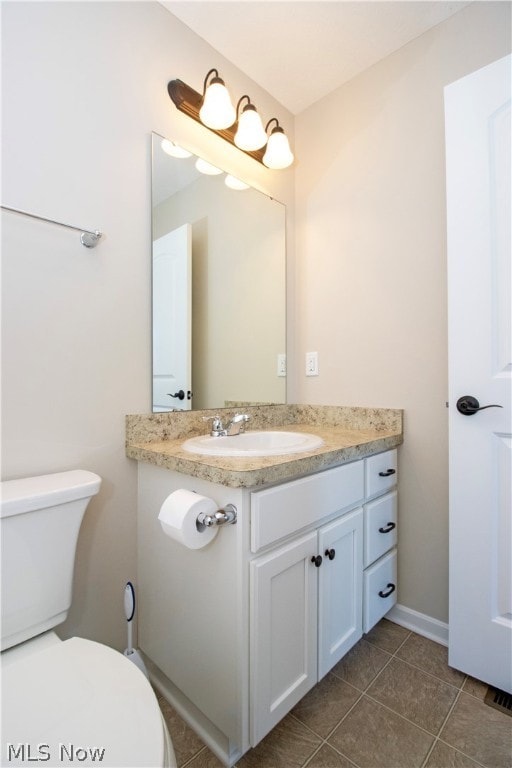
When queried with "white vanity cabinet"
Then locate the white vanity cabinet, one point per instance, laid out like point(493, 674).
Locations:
point(380, 538)
point(236, 633)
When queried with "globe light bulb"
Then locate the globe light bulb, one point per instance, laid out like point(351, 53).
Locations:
point(217, 111)
point(250, 134)
point(278, 154)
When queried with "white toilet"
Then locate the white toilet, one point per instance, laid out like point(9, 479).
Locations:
point(71, 702)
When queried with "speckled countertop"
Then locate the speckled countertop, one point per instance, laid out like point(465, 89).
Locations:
point(348, 433)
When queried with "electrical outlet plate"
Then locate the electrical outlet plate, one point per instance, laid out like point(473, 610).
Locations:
point(281, 364)
point(311, 363)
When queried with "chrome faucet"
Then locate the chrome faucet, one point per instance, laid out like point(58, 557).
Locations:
point(236, 425)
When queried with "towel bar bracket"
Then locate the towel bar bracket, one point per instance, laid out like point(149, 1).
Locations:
point(90, 239)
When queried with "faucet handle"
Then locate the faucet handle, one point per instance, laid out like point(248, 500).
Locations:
point(216, 423)
point(215, 419)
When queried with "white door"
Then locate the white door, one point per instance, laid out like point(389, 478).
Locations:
point(172, 320)
point(478, 137)
point(283, 632)
point(340, 589)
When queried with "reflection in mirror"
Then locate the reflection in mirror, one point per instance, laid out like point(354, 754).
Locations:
point(218, 288)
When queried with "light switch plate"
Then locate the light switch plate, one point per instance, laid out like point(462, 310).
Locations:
point(311, 363)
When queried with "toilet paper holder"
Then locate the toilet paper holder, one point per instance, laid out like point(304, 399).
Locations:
point(220, 517)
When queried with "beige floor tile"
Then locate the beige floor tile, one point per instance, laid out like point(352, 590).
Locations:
point(431, 657)
point(361, 664)
point(327, 757)
point(288, 745)
point(324, 706)
point(387, 635)
point(475, 688)
point(413, 694)
point(185, 742)
point(480, 731)
point(373, 737)
point(205, 759)
point(443, 756)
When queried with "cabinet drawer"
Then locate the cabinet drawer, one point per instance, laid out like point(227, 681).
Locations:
point(381, 473)
point(285, 509)
point(379, 589)
point(379, 527)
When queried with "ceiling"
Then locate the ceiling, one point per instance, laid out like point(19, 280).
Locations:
point(301, 50)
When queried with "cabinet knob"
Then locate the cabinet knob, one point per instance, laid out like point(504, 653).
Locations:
point(317, 561)
point(390, 589)
point(330, 553)
point(387, 473)
point(387, 528)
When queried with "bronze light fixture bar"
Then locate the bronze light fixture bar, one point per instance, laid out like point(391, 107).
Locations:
point(189, 102)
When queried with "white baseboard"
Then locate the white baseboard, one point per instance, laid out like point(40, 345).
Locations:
point(419, 622)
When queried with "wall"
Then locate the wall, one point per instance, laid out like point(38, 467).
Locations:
point(371, 265)
point(84, 84)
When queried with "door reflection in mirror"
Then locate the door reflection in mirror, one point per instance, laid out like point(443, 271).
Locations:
point(172, 321)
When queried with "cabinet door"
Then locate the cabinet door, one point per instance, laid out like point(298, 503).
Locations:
point(283, 631)
point(340, 589)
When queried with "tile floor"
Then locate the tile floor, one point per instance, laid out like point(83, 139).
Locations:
point(391, 702)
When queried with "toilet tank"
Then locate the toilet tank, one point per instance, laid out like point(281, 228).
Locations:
point(40, 518)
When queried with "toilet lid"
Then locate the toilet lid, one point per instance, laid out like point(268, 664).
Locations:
point(79, 702)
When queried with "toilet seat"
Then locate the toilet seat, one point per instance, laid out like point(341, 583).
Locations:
point(67, 701)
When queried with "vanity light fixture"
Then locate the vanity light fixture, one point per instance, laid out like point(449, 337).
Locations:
point(250, 133)
point(239, 131)
point(278, 153)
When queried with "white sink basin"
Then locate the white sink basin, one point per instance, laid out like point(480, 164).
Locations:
point(253, 444)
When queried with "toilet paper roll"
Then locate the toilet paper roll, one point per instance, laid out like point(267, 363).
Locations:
point(178, 517)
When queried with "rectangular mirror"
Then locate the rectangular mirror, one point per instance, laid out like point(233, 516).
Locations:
point(218, 288)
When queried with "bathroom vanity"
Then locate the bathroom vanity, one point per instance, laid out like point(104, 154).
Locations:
point(236, 633)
